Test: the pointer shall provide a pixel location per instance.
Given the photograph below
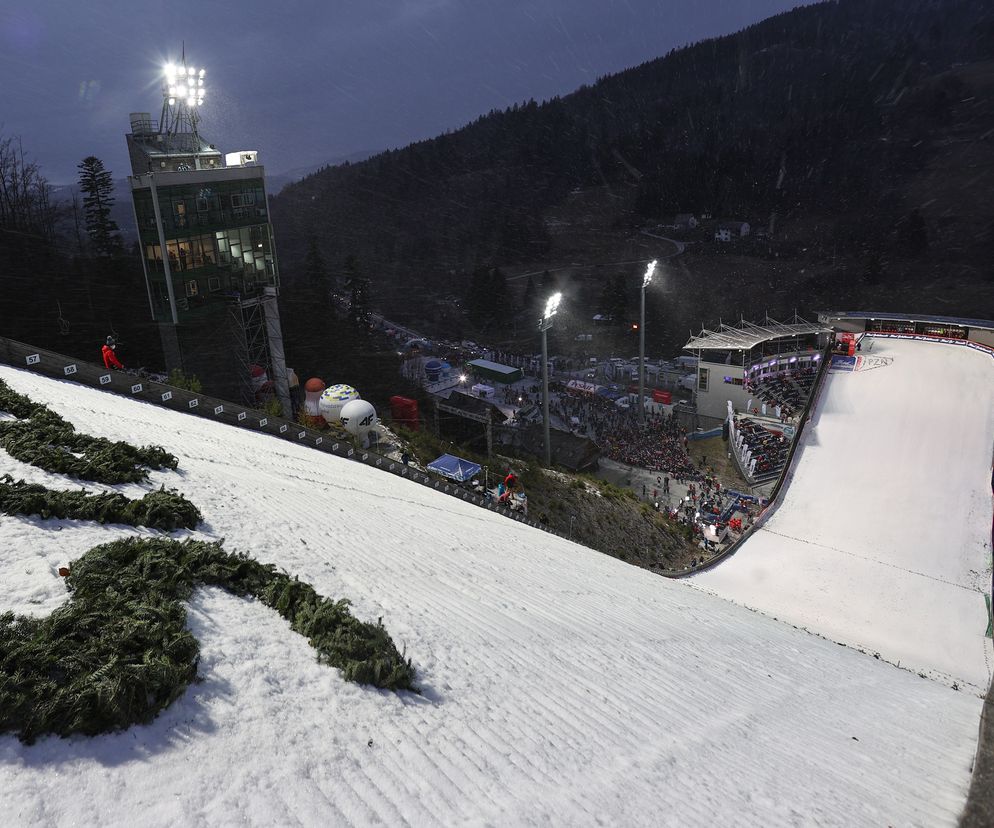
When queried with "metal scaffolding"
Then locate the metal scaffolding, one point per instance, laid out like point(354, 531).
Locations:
point(247, 320)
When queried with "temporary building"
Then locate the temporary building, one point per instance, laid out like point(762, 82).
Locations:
point(455, 468)
point(484, 368)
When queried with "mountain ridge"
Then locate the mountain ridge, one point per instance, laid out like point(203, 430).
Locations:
point(819, 124)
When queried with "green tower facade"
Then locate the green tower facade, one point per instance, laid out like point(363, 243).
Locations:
point(208, 251)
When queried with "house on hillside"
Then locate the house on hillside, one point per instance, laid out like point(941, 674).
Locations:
point(685, 221)
point(728, 230)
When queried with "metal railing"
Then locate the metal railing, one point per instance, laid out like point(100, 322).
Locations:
point(62, 367)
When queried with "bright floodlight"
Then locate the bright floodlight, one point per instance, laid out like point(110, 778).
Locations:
point(552, 305)
point(184, 85)
point(648, 273)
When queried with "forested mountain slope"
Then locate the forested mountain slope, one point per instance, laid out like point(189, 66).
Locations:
point(854, 131)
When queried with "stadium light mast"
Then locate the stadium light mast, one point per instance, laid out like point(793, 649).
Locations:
point(551, 307)
point(646, 279)
point(182, 93)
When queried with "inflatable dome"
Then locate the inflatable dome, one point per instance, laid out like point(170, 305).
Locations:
point(358, 417)
point(332, 400)
point(433, 369)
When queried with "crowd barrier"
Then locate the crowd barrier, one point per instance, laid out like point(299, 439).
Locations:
point(59, 366)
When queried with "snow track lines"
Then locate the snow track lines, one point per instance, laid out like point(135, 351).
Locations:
point(560, 686)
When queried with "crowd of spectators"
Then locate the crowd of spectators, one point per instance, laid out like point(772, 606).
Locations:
point(766, 450)
point(787, 391)
point(660, 445)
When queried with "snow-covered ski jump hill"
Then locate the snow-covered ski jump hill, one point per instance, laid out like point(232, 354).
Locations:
point(559, 686)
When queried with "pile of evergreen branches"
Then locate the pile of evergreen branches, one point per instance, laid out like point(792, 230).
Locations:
point(118, 651)
point(164, 509)
point(42, 438)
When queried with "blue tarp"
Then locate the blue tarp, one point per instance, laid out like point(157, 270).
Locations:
point(455, 468)
point(610, 392)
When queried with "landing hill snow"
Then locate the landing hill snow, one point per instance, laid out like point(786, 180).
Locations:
point(558, 685)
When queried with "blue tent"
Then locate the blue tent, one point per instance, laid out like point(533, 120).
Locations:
point(455, 468)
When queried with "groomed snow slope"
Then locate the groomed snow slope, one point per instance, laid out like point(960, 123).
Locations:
point(560, 686)
point(882, 540)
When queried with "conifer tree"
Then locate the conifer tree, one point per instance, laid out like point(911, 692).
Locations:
point(314, 267)
point(500, 307)
point(873, 271)
point(478, 297)
point(529, 298)
point(98, 198)
point(358, 288)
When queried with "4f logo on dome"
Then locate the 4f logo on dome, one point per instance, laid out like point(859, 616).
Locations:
point(365, 422)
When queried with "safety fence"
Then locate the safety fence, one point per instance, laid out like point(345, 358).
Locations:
point(60, 366)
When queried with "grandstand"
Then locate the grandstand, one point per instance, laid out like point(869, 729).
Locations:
point(747, 355)
point(761, 450)
point(882, 538)
point(980, 331)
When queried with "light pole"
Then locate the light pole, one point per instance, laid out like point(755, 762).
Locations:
point(551, 306)
point(645, 283)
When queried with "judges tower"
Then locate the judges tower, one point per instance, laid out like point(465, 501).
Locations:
point(207, 248)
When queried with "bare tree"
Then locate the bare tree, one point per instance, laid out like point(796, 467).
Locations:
point(25, 206)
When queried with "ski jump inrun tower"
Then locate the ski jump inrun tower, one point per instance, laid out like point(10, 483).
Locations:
point(207, 248)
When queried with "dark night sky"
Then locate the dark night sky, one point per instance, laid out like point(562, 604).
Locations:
point(305, 81)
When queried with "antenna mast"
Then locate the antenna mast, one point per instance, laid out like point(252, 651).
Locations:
point(182, 93)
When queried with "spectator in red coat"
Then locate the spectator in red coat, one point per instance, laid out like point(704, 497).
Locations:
point(110, 358)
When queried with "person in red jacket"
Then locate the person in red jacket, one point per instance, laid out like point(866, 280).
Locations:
point(110, 358)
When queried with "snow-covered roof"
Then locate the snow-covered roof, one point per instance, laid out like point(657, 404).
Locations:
point(558, 685)
point(493, 366)
point(746, 335)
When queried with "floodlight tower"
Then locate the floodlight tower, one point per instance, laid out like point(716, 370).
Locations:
point(182, 93)
point(551, 307)
point(645, 283)
point(208, 248)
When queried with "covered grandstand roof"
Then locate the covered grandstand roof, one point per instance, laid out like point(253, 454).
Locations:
point(747, 335)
